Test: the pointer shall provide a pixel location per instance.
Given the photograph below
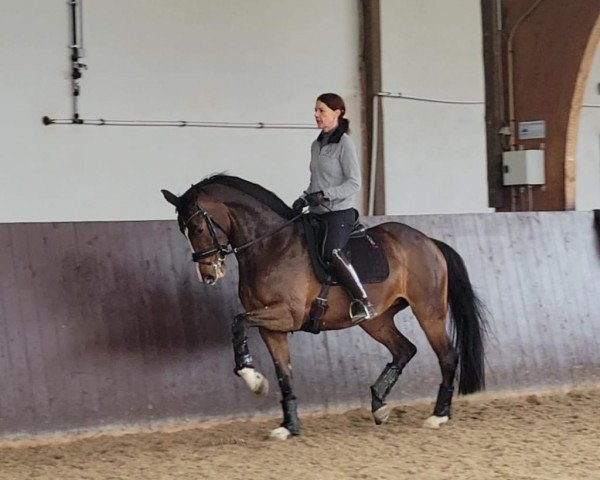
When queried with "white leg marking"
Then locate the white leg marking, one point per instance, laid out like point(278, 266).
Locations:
point(382, 414)
point(255, 381)
point(435, 422)
point(280, 433)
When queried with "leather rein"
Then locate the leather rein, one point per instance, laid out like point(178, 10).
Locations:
point(228, 249)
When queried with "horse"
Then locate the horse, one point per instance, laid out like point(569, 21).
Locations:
point(223, 215)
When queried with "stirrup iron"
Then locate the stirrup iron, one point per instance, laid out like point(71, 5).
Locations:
point(361, 310)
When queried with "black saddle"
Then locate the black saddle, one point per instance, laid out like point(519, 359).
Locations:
point(366, 255)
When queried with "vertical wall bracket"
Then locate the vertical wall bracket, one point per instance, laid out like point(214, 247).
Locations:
point(76, 55)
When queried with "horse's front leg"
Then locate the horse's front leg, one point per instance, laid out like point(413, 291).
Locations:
point(277, 343)
point(243, 360)
point(274, 322)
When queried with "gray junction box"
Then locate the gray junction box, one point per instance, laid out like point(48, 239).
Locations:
point(523, 167)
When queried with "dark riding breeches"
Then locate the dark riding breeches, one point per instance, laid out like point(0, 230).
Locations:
point(339, 226)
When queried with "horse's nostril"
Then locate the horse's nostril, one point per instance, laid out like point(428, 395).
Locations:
point(210, 280)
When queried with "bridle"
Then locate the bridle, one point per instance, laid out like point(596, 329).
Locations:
point(228, 249)
point(222, 250)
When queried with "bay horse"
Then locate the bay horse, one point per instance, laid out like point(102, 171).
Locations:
point(224, 215)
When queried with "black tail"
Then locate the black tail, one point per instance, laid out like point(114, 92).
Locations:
point(469, 325)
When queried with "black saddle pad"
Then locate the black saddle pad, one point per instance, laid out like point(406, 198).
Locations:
point(366, 255)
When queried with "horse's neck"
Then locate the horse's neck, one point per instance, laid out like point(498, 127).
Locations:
point(268, 258)
point(251, 221)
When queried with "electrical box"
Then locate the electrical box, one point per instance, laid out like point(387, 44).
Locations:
point(523, 167)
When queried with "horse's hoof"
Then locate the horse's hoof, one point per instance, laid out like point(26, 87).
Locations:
point(262, 387)
point(382, 414)
point(435, 421)
point(256, 381)
point(280, 433)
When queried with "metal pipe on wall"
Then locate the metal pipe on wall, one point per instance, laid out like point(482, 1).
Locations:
point(429, 100)
point(101, 122)
point(373, 162)
point(76, 54)
point(511, 96)
point(510, 73)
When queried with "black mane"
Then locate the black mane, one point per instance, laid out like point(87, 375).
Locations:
point(257, 192)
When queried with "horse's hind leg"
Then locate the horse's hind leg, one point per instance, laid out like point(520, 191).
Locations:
point(433, 323)
point(384, 331)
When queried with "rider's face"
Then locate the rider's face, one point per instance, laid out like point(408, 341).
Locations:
point(326, 118)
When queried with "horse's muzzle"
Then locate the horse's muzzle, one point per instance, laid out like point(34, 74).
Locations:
point(210, 277)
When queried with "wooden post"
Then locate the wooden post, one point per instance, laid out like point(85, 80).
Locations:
point(370, 70)
point(494, 97)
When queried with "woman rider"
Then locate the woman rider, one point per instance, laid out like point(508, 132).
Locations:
point(334, 181)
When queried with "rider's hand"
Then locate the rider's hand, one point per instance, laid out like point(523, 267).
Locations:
point(299, 204)
point(315, 199)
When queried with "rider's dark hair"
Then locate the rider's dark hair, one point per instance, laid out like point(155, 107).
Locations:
point(335, 102)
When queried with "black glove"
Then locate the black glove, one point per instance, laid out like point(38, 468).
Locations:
point(315, 199)
point(299, 204)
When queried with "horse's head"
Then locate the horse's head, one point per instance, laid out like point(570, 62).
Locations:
point(206, 226)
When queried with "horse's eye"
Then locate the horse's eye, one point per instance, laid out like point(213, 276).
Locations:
point(195, 231)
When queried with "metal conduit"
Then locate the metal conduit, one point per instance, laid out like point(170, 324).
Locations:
point(100, 122)
point(429, 100)
point(511, 80)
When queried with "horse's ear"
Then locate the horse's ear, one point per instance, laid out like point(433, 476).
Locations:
point(171, 198)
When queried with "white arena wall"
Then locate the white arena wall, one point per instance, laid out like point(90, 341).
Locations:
point(235, 61)
point(239, 61)
point(435, 153)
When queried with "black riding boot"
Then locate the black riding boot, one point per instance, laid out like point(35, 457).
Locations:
point(361, 308)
